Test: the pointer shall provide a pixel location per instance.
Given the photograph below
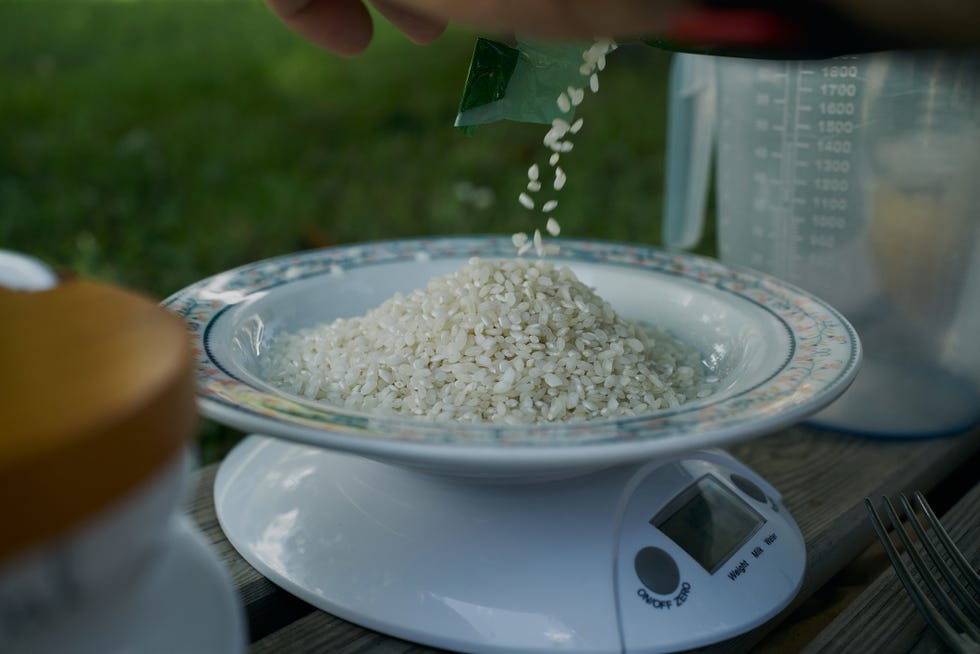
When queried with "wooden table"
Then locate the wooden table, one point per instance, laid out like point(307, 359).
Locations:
point(850, 599)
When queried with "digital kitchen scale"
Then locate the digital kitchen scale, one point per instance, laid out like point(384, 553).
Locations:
point(661, 556)
point(622, 534)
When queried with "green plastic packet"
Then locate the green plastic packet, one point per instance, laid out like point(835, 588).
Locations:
point(519, 83)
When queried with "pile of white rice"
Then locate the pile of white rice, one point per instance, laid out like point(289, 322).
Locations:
point(509, 341)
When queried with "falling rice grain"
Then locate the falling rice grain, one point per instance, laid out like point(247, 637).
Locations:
point(564, 104)
point(560, 178)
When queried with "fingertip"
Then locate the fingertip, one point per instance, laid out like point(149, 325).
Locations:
point(419, 28)
point(341, 26)
point(426, 34)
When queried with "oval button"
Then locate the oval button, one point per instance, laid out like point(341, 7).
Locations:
point(657, 570)
point(748, 487)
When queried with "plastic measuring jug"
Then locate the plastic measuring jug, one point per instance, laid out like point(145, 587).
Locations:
point(855, 178)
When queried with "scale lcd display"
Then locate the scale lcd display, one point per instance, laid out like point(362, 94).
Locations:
point(709, 522)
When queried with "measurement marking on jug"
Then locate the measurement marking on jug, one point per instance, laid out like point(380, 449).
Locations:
point(840, 71)
point(848, 89)
point(830, 204)
point(831, 184)
point(838, 108)
point(835, 126)
point(833, 165)
point(835, 145)
point(828, 221)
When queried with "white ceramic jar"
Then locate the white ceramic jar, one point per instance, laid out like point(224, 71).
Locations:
point(94, 457)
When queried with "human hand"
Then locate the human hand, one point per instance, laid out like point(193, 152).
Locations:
point(558, 19)
point(932, 23)
point(344, 26)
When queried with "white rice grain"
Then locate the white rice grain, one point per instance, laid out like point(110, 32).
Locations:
point(564, 103)
point(560, 127)
point(560, 178)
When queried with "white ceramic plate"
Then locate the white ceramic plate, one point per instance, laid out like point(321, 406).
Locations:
point(780, 353)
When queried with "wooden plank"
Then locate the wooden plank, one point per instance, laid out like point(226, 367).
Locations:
point(883, 618)
point(322, 632)
point(823, 477)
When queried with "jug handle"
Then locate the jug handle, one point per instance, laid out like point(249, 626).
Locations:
point(691, 117)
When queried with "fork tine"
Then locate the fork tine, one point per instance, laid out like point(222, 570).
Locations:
point(954, 553)
point(925, 574)
point(960, 621)
point(932, 616)
point(925, 607)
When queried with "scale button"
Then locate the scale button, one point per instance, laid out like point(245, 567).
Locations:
point(749, 488)
point(657, 570)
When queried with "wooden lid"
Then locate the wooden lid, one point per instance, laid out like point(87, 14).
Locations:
point(96, 393)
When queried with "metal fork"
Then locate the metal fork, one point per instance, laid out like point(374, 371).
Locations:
point(954, 620)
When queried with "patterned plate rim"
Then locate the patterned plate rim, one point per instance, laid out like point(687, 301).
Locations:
point(822, 361)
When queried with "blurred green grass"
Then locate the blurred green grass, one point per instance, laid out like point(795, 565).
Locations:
point(153, 143)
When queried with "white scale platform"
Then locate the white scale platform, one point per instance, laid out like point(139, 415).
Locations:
point(671, 554)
